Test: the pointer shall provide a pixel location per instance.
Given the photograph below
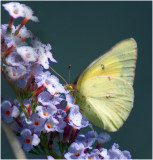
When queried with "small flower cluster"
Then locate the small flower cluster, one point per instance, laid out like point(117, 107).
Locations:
point(44, 112)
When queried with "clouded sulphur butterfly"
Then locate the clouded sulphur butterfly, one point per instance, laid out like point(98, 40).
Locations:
point(104, 89)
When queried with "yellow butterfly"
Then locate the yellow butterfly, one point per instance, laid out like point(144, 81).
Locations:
point(104, 89)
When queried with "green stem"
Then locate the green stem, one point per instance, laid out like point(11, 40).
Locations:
point(38, 149)
point(56, 156)
point(33, 152)
point(22, 106)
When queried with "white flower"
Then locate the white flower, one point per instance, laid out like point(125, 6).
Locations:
point(14, 9)
point(14, 59)
point(44, 53)
point(16, 72)
point(24, 33)
point(17, 10)
point(4, 29)
point(27, 53)
point(29, 14)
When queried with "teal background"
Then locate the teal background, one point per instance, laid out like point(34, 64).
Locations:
point(79, 32)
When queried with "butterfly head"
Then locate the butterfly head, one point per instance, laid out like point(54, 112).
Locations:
point(70, 87)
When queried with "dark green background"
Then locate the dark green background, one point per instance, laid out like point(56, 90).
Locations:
point(79, 32)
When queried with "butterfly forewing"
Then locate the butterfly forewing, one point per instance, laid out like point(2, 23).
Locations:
point(117, 62)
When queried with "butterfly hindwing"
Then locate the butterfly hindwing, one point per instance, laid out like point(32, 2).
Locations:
point(106, 101)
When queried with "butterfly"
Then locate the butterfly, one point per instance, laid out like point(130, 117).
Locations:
point(104, 89)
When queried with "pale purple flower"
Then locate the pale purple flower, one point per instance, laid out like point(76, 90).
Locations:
point(28, 140)
point(51, 125)
point(115, 153)
point(77, 120)
point(94, 155)
point(104, 153)
point(16, 72)
point(60, 126)
point(55, 86)
point(22, 81)
point(42, 79)
point(75, 151)
point(103, 137)
point(37, 124)
point(87, 139)
point(44, 98)
point(60, 114)
point(57, 100)
point(9, 111)
point(36, 69)
point(46, 112)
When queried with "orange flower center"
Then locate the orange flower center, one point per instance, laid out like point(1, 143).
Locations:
point(27, 140)
point(22, 39)
point(27, 56)
point(46, 82)
point(7, 112)
point(15, 12)
point(45, 113)
point(14, 74)
point(36, 123)
point(38, 59)
point(49, 125)
point(28, 106)
point(77, 154)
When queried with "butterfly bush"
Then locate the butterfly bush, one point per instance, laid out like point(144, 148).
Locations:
point(44, 115)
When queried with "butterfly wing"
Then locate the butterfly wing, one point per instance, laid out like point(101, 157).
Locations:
point(119, 61)
point(106, 101)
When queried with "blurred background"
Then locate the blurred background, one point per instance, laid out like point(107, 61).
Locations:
point(79, 32)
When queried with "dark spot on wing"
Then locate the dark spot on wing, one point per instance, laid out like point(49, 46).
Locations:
point(109, 78)
point(102, 66)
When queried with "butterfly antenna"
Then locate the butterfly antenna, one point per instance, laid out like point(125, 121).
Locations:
point(69, 72)
point(58, 75)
